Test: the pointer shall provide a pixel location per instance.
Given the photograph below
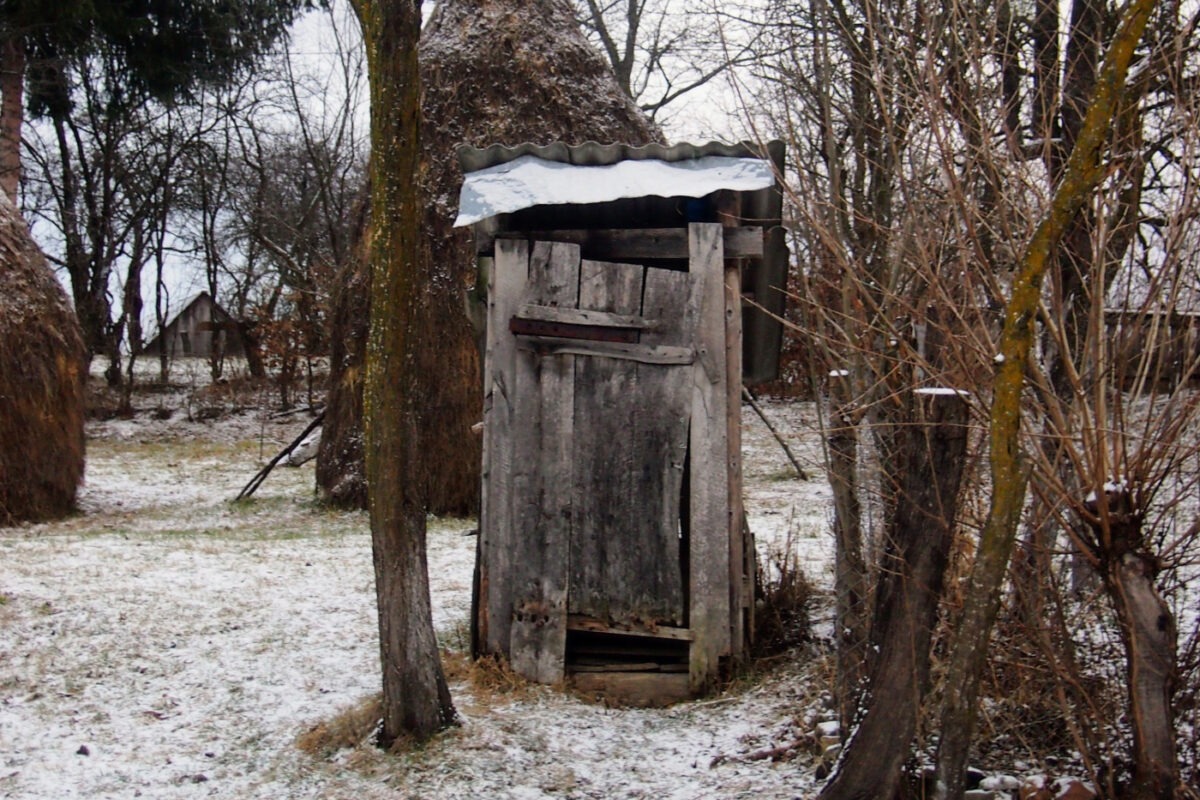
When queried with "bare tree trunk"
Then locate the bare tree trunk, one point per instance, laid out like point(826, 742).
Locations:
point(160, 302)
point(850, 571)
point(911, 578)
point(416, 699)
point(1148, 634)
point(252, 347)
point(132, 305)
point(12, 115)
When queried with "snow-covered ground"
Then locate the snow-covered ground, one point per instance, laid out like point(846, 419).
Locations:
point(167, 643)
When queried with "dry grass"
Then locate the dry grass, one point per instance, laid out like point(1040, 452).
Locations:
point(783, 598)
point(349, 729)
point(492, 682)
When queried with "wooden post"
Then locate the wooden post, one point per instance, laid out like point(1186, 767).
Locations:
point(709, 480)
point(932, 446)
point(852, 616)
point(494, 602)
point(741, 554)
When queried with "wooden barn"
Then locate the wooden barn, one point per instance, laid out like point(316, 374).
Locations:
point(613, 552)
point(201, 330)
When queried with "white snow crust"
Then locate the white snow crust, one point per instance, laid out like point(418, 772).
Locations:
point(529, 181)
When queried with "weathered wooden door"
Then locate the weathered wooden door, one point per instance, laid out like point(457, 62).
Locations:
point(590, 372)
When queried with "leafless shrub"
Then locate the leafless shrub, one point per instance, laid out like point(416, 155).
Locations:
point(783, 601)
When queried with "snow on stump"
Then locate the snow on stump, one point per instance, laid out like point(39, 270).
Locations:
point(42, 368)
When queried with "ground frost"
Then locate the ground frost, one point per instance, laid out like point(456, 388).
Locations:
point(168, 644)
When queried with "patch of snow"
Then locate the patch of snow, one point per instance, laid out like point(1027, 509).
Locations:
point(1111, 488)
point(529, 181)
point(943, 391)
point(1000, 783)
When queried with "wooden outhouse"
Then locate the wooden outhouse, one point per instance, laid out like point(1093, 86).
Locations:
point(613, 551)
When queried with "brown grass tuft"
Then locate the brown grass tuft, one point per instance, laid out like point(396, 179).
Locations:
point(783, 598)
point(495, 683)
point(348, 729)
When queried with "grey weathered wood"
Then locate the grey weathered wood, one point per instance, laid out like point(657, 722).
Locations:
point(542, 432)
point(740, 557)
point(582, 316)
point(550, 283)
point(602, 547)
point(645, 666)
point(642, 243)
point(852, 619)
point(494, 600)
point(661, 428)
point(646, 354)
point(592, 438)
point(709, 496)
point(634, 689)
point(579, 622)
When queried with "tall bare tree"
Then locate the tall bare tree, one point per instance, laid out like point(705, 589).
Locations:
point(416, 700)
point(660, 53)
point(1083, 172)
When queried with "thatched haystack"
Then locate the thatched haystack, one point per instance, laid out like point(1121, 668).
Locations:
point(41, 382)
point(340, 469)
point(506, 71)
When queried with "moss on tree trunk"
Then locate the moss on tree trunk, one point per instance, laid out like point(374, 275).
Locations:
point(416, 700)
point(1009, 477)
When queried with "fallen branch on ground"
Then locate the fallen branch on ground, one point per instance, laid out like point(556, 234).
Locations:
point(251, 487)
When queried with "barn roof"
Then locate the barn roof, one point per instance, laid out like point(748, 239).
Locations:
point(218, 312)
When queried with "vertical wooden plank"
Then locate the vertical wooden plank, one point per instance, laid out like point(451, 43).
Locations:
point(741, 548)
point(486, 268)
point(604, 543)
point(738, 552)
point(661, 426)
point(553, 275)
point(709, 480)
point(494, 602)
point(542, 429)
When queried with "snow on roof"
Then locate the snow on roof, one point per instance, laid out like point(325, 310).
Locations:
point(501, 179)
point(532, 176)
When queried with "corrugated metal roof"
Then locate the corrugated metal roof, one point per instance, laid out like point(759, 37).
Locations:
point(591, 154)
